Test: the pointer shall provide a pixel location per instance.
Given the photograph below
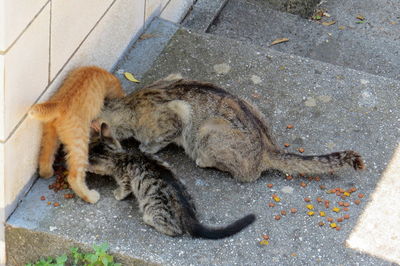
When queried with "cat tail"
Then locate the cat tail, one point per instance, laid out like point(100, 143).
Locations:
point(316, 164)
point(45, 111)
point(200, 231)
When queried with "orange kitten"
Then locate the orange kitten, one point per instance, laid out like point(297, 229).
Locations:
point(67, 116)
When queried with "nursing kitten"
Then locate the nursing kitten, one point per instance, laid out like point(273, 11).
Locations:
point(67, 116)
point(215, 128)
point(162, 198)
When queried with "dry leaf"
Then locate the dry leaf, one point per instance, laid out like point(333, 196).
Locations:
point(280, 40)
point(360, 17)
point(328, 23)
point(146, 36)
point(130, 77)
point(342, 27)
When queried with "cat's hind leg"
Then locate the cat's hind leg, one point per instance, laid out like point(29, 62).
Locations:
point(48, 149)
point(76, 140)
point(228, 149)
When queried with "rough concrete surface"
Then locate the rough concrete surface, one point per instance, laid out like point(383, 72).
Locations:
point(372, 46)
point(331, 108)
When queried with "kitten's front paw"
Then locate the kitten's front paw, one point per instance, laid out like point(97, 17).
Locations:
point(92, 197)
point(46, 172)
point(119, 194)
point(148, 149)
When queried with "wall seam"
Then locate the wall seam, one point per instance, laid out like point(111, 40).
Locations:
point(3, 52)
point(50, 22)
point(58, 73)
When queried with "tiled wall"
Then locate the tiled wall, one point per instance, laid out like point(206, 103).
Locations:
point(40, 41)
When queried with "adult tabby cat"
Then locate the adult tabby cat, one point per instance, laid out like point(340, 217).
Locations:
point(67, 116)
point(163, 199)
point(215, 128)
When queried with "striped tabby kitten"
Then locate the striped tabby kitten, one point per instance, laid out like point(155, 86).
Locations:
point(215, 128)
point(67, 116)
point(163, 199)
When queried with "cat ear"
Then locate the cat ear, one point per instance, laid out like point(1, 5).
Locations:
point(105, 130)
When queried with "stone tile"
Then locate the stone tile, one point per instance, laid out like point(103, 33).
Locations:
point(176, 10)
point(27, 71)
point(1, 97)
point(153, 9)
point(71, 21)
point(16, 14)
point(20, 161)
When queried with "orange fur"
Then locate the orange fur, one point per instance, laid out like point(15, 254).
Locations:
point(67, 116)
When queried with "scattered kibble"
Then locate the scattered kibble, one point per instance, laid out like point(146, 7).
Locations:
point(339, 220)
point(333, 225)
point(277, 217)
point(346, 204)
point(329, 219)
point(347, 194)
point(321, 223)
point(293, 210)
point(302, 184)
point(310, 213)
point(310, 207)
point(341, 190)
point(271, 204)
point(322, 214)
point(290, 126)
point(336, 209)
point(346, 216)
point(346, 209)
point(302, 174)
point(307, 199)
point(322, 186)
point(289, 177)
point(341, 203)
point(264, 242)
point(357, 201)
point(338, 228)
point(353, 189)
point(361, 195)
point(270, 185)
point(319, 200)
point(265, 237)
point(49, 203)
point(317, 178)
point(56, 204)
point(286, 145)
point(301, 150)
point(338, 193)
point(283, 212)
point(42, 198)
point(332, 190)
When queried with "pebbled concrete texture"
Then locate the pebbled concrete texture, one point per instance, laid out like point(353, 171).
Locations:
point(331, 108)
point(370, 47)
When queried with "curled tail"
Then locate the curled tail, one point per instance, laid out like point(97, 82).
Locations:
point(295, 163)
point(198, 230)
point(45, 111)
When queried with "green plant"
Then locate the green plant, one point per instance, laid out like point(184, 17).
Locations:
point(99, 257)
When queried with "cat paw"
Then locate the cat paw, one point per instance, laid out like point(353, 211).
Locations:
point(92, 197)
point(46, 173)
point(119, 194)
point(354, 160)
point(148, 149)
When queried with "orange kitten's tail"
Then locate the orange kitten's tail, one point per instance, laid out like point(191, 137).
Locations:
point(45, 111)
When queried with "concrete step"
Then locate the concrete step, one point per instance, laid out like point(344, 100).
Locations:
point(371, 47)
point(331, 108)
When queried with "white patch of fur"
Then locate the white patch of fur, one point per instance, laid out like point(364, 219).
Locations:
point(182, 109)
point(173, 76)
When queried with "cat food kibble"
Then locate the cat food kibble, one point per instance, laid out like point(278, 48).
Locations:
point(302, 184)
point(271, 204)
point(56, 204)
point(293, 210)
point(286, 145)
point(307, 199)
point(265, 237)
point(283, 212)
point(42, 198)
point(361, 195)
point(289, 126)
point(357, 201)
point(277, 217)
point(346, 216)
point(270, 185)
point(301, 150)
